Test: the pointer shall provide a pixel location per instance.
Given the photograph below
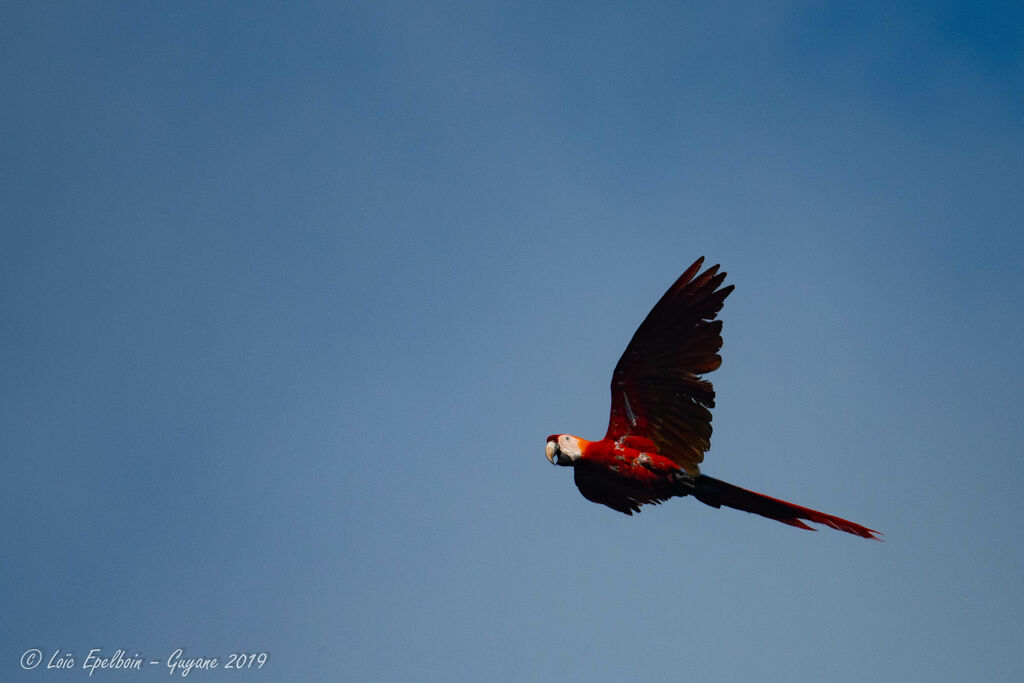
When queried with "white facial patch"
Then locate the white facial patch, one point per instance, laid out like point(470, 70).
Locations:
point(570, 446)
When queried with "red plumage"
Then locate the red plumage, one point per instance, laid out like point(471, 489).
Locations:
point(660, 422)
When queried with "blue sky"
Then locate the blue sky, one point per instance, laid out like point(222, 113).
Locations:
point(292, 295)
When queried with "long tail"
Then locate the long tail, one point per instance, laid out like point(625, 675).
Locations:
point(717, 493)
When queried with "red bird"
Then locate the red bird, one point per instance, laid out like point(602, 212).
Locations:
point(660, 422)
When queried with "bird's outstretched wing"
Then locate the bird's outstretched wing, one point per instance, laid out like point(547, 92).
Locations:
point(658, 394)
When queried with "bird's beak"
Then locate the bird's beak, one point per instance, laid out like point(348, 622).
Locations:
point(551, 450)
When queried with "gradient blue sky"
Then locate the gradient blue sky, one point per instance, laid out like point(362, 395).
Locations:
point(291, 296)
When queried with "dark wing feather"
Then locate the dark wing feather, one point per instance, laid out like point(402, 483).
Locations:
point(657, 389)
point(599, 485)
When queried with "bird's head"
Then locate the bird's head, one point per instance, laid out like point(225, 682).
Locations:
point(563, 449)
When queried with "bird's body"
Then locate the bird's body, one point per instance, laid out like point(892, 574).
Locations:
point(635, 476)
point(660, 424)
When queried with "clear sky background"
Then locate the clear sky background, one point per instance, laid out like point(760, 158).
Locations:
point(290, 297)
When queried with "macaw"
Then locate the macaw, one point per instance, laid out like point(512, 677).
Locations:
point(660, 425)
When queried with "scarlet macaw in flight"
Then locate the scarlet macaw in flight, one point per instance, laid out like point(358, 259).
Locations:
point(660, 422)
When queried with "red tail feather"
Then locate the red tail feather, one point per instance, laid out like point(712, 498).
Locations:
point(717, 493)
